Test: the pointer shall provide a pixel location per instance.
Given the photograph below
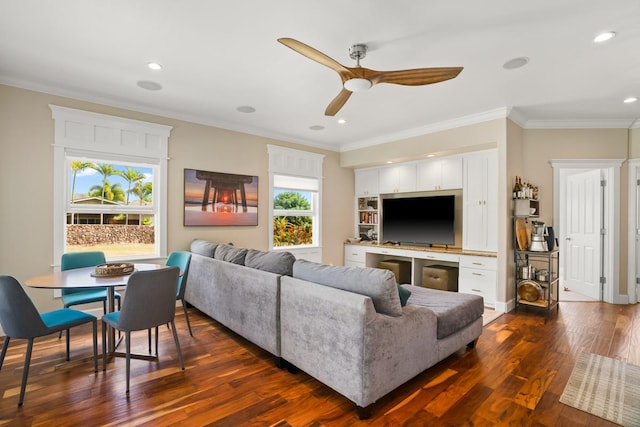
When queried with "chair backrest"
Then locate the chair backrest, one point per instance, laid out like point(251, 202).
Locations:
point(19, 317)
point(150, 299)
point(180, 259)
point(73, 260)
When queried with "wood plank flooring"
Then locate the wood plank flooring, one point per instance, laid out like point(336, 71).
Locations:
point(514, 376)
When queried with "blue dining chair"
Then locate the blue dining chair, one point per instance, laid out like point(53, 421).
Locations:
point(20, 319)
point(150, 302)
point(71, 297)
point(182, 260)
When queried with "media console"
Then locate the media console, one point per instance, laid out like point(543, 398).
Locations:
point(476, 270)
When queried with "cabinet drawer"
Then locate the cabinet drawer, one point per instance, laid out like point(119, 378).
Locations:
point(355, 254)
point(479, 262)
point(478, 282)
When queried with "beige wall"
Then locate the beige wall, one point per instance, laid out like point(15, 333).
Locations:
point(541, 146)
point(26, 170)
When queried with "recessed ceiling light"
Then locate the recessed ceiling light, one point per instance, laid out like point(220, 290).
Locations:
point(149, 85)
point(246, 109)
point(630, 99)
point(342, 121)
point(154, 66)
point(316, 127)
point(389, 162)
point(515, 63)
point(431, 155)
point(603, 37)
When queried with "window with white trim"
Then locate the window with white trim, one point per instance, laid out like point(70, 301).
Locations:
point(295, 200)
point(295, 211)
point(109, 185)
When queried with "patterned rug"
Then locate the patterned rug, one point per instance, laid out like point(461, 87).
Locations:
point(605, 387)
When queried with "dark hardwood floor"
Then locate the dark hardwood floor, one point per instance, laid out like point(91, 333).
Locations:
point(514, 376)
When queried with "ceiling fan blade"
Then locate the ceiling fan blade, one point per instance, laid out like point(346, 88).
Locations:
point(417, 77)
point(337, 103)
point(314, 55)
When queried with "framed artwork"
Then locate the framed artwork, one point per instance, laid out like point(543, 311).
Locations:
point(216, 198)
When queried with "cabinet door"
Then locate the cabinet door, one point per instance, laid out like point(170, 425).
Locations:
point(398, 179)
point(480, 202)
point(429, 175)
point(451, 173)
point(439, 174)
point(366, 182)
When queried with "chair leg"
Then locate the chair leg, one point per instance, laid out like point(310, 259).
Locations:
point(104, 346)
point(68, 344)
point(186, 316)
point(95, 345)
point(175, 338)
point(149, 339)
point(127, 338)
point(25, 371)
point(5, 346)
point(156, 341)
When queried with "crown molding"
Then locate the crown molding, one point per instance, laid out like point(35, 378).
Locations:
point(580, 124)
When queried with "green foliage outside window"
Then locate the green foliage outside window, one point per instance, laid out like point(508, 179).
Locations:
point(292, 230)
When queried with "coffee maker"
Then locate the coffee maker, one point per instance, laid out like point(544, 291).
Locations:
point(538, 237)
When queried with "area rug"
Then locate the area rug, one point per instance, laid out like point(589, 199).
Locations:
point(605, 387)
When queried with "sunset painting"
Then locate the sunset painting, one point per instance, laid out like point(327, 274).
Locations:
point(217, 198)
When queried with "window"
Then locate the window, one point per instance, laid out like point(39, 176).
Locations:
point(295, 189)
point(110, 207)
point(109, 185)
point(295, 218)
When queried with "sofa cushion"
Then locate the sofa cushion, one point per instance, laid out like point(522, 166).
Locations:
point(230, 253)
point(453, 310)
point(203, 247)
point(379, 285)
point(277, 262)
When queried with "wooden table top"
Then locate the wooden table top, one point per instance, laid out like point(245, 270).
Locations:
point(83, 278)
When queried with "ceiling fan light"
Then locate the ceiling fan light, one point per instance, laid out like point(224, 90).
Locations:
point(357, 84)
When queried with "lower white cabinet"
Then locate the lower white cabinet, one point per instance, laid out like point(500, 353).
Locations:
point(478, 276)
point(355, 256)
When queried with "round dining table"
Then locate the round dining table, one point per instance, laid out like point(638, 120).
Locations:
point(85, 278)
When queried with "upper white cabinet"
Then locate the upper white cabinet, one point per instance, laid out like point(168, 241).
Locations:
point(366, 182)
point(480, 208)
point(439, 174)
point(398, 178)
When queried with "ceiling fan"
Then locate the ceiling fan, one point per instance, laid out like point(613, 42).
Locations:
point(355, 79)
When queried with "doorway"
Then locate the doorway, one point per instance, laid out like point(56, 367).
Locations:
point(586, 212)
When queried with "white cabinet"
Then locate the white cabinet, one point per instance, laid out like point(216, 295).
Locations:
point(439, 174)
point(480, 208)
point(478, 276)
point(355, 256)
point(398, 178)
point(366, 182)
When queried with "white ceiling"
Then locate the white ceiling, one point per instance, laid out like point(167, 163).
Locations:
point(218, 56)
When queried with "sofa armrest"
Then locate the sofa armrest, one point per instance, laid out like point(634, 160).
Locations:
point(338, 338)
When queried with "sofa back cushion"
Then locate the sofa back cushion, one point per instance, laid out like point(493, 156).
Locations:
point(230, 253)
point(380, 285)
point(203, 247)
point(277, 262)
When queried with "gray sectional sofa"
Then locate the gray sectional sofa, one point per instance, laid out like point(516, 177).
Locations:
point(353, 329)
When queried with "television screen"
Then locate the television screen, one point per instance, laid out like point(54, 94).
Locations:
point(424, 220)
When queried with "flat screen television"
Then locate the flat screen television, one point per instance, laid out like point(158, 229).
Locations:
point(419, 220)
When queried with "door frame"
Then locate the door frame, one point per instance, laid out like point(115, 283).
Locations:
point(610, 170)
point(632, 273)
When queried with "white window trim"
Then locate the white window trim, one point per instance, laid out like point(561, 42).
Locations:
point(287, 161)
point(85, 133)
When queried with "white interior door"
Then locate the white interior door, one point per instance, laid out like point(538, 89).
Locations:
point(583, 238)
